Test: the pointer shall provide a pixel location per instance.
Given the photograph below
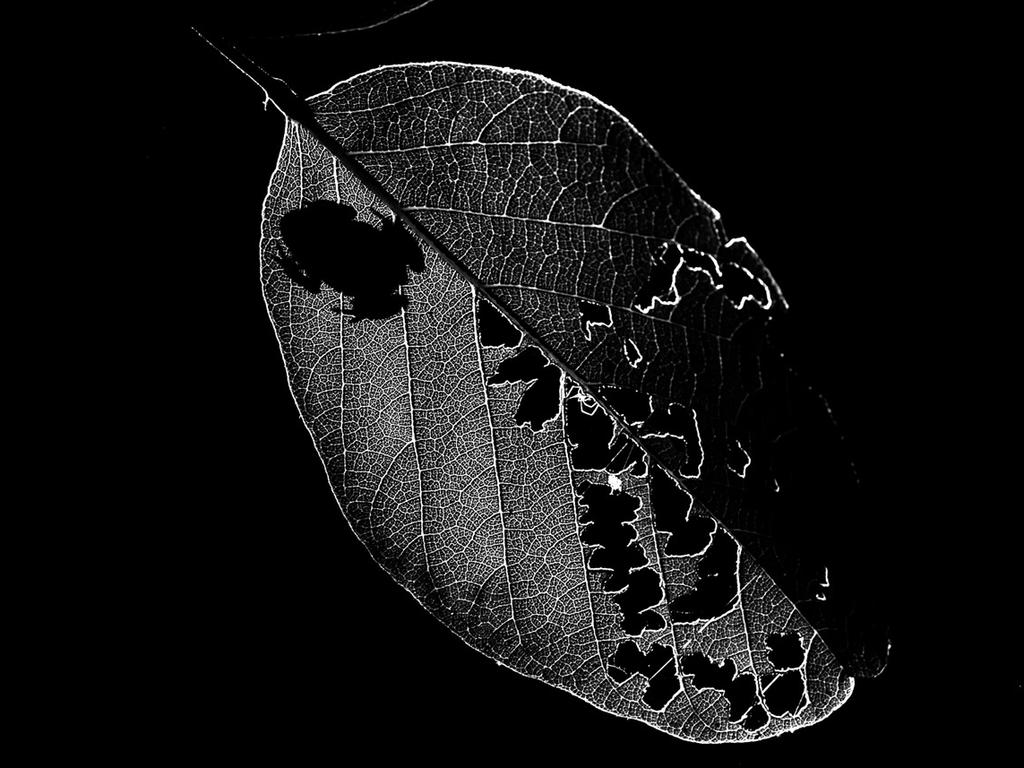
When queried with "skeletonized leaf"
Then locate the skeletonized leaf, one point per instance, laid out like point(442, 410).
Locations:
point(567, 434)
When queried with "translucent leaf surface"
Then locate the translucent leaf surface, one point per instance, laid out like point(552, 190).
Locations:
point(577, 459)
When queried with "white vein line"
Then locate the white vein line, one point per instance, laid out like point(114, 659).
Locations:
point(746, 633)
point(664, 601)
point(447, 144)
point(497, 475)
point(506, 108)
point(412, 430)
point(386, 474)
point(576, 520)
point(291, 283)
point(341, 349)
point(620, 198)
point(739, 600)
point(534, 220)
point(389, 104)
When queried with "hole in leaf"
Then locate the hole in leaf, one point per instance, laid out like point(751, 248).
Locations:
point(740, 691)
point(594, 316)
point(786, 651)
point(658, 665)
point(495, 329)
point(785, 694)
point(756, 718)
point(540, 400)
point(634, 406)
point(607, 520)
point(595, 446)
point(325, 245)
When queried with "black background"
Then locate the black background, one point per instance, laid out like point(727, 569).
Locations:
point(276, 633)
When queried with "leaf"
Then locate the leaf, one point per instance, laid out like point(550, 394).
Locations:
point(572, 440)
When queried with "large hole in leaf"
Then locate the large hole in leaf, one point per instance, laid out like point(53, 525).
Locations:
point(607, 524)
point(658, 665)
point(594, 316)
point(495, 328)
point(740, 690)
point(786, 651)
point(325, 245)
point(540, 400)
point(784, 694)
point(634, 406)
point(595, 443)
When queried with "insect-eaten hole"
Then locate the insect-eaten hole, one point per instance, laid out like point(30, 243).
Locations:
point(541, 399)
point(324, 245)
point(596, 444)
point(658, 665)
point(495, 329)
point(634, 406)
point(740, 690)
point(593, 315)
point(607, 518)
point(784, 694)
point(786, 651)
